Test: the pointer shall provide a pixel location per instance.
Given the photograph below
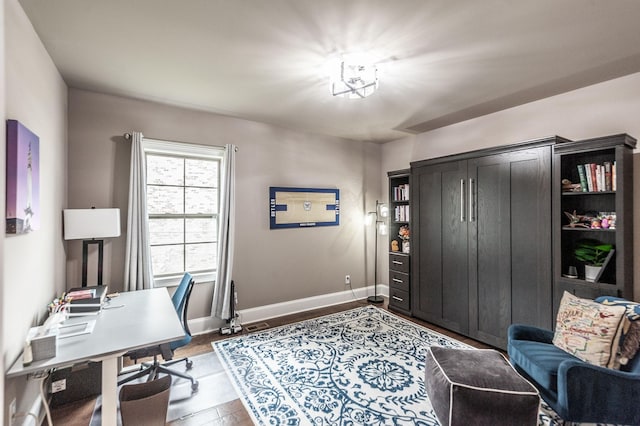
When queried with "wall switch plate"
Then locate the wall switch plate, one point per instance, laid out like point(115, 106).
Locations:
point(347, 279)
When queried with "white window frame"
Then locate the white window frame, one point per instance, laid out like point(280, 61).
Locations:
point(181, 149)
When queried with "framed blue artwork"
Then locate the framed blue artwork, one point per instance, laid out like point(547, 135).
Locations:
point(303, 207)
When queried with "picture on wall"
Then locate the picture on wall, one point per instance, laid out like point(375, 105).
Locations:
point(23, 179)
point(303, 207)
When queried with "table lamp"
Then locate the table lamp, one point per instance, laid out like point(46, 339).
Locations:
point(91, 226)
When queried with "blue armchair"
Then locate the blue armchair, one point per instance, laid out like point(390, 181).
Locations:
point(576, 390)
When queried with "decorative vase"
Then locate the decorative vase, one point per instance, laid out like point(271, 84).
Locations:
point(405, 247)
point(591, 272)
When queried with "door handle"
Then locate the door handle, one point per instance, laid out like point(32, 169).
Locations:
point(472, 216)
point(462, 197)
point(398, 299)
point(395, 280)
point(397, 262)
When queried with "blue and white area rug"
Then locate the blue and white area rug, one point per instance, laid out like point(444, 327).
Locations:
point(359, 367)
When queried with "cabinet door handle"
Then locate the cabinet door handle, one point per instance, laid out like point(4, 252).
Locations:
point(462, 197)
point(397, 262)
point(472, 200)
point(395, 280)
point(398, 299)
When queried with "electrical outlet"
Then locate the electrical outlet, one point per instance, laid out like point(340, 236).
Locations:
point(12, 412)
point(58, 385)
point(347, 279)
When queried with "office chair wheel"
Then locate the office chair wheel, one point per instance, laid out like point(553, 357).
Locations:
point(189, 364)
point(194, 386)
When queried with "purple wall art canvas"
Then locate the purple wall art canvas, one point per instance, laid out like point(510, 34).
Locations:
point(23, 179)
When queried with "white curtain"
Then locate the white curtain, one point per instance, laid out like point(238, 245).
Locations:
point(221, 306)
point(137, 265)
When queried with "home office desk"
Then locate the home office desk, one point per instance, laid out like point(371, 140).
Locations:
point(133, 320)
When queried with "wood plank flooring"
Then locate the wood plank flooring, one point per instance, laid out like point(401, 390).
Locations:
point(231, 413)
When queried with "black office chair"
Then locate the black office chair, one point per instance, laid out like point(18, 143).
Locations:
point(180, 301)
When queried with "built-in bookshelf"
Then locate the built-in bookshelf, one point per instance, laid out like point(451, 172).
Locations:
point(593, 194)
point(399, 241)
point(400, 211)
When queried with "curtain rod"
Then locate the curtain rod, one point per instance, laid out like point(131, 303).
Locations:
point(127, 136)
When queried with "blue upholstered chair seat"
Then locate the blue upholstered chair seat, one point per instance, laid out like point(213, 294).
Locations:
point(540, 361)
point(576, 390)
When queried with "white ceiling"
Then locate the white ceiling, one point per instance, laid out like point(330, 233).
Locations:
point(441, 61)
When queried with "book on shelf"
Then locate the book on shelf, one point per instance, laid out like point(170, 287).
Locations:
point(613, 176)
point(587, 171)
point(607, 176)
point(594, 177)
point(583, 178)
point(86, 299)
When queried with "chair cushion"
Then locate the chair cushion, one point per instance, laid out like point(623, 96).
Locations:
point(589, 330)
point(539, 360)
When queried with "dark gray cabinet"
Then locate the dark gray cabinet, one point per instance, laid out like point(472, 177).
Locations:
point(481, 256)
point(439, 278)
point(399, 292)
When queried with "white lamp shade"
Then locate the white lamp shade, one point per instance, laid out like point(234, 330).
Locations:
point(383, 210)
point(383, 229)
point(84, 224)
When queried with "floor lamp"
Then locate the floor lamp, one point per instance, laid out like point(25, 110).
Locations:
point(91, 226)
point(378, 217)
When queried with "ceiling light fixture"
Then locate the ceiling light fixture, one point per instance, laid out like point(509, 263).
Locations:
point(352, 79)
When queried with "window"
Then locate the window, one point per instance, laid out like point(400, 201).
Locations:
point(183, 199)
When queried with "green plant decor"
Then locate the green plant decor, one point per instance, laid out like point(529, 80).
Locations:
point(592, 252)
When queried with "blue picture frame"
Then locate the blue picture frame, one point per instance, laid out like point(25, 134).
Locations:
point(303, 207)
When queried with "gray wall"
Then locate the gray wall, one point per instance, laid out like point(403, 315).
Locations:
point(607, 108)
point(2, 207)
point(270, 266)
point(33, 264)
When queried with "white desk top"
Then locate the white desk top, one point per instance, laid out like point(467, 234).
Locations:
point(147, 317)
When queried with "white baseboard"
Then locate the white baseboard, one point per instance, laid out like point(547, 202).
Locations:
point(263, 313)
point(205, 325)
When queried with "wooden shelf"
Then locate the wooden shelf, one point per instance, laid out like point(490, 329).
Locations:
point(569, 228)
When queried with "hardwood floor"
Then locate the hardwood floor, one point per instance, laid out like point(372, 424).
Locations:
point(231, 413)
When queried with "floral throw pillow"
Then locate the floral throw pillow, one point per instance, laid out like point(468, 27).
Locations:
point(630, 339)
point(589, 330)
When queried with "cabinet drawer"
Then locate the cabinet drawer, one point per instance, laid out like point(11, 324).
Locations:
point(399, 263)
point(399, 280)
point(399, 299)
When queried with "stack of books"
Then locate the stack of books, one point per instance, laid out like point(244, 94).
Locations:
point(597, 177)
point(401, 192)
point(401, 214)
point(86, 300)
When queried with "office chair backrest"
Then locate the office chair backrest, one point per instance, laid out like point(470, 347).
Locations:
point(180, 293)
point(145, 404)
point(182, 313)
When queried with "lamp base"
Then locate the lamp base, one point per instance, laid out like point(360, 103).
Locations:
point(375, 299)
